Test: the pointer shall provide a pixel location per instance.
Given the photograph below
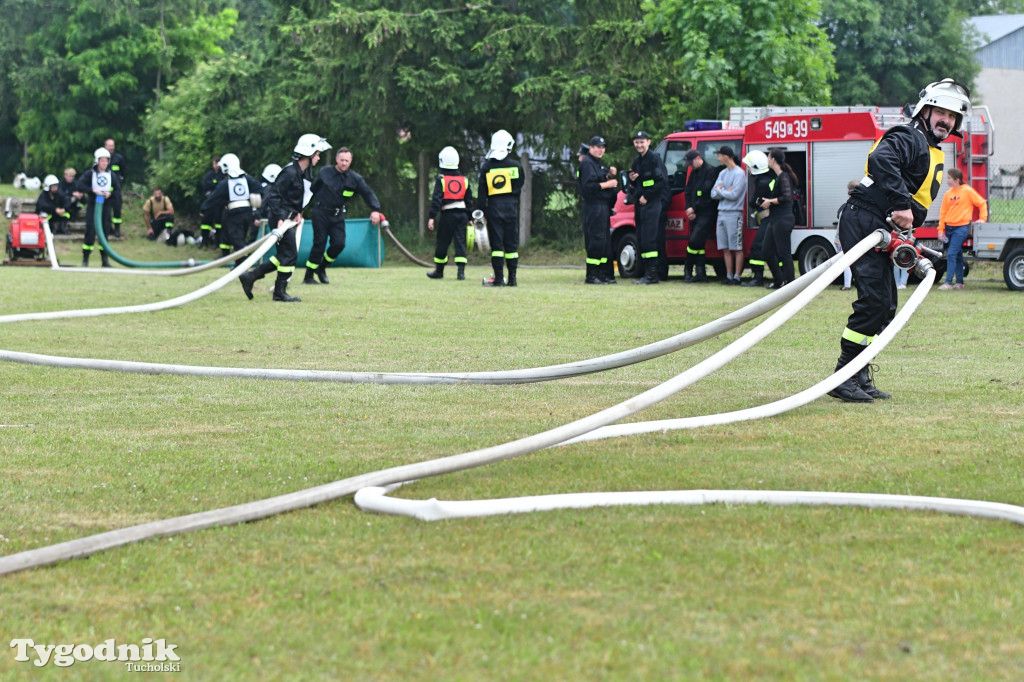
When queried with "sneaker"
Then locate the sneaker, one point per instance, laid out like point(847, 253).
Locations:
point(958, 285)
point(901, 286)
point(845, 289)
point(945, 287)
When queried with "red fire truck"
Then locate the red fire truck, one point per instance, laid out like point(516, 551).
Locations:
point(827, 148)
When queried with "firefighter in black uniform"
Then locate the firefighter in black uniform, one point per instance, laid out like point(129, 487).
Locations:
point(268, 176)
point(598, 186)
point(701, 211)
point(207, 224)
point(100, 185)
point(904, 175)
point(647, 183)
point(452, 204)
point(233, 198)
point(332, 189)
point(501, 182)
point(117, 168)
point(757, 163)
point(287, 197)
point(52, 204)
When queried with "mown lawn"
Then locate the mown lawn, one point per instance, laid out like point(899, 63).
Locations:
point(657, 593)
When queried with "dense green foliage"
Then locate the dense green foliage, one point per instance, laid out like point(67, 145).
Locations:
point(175, 81)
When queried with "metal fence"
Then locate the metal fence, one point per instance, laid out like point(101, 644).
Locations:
point(1006, 193)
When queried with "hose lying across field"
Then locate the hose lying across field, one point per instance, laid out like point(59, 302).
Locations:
point(812, 286)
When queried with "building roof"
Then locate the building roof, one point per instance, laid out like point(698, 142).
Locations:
point(992, 27)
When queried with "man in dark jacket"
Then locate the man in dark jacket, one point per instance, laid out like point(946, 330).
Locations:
point(333, 188)
point(647, 183)
point(701, 211)
point(598, 187)
point(904, 175)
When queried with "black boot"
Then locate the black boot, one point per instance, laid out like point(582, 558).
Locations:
point(591, 278)
point(308, 278)
point(513, 265)
point(498, 280)
point(688, 268)
point(85, 258)
point(865, 381)
point(462, 272)
point(699, 271)
point(321, 272)
point(281, 291)
point(437, 272)
point(849, 391)
point(650, 272)
point(758, 278)
point(104, 259)
point(606, 271)
point(247, 279)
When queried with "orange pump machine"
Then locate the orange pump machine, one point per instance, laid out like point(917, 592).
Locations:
point(26, 241)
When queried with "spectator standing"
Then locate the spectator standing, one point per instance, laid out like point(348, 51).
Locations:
point(598, 187)
point(647, 182)
point(53, 205)
point(500, 184)
point(701, 211)
point(333, 188)
point(158, 212)
point(451, 204)
point(730, 191)
point(778, 251)
point(117, 168)
point(955, 216)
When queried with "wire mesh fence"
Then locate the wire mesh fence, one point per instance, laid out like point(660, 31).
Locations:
point(1006, 193)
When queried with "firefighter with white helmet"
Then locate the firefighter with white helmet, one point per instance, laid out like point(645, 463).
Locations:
point(285, 202)
point(267, 178)
point(52, 204)
point(333, 188)
point(99, 184)
point(233, 198)
point(501, 182)
point(450, 205)
point(904, 175)
point(117, 168)
point(756, 162)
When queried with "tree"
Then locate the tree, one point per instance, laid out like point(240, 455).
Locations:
point(886, 52)
point(743, 53)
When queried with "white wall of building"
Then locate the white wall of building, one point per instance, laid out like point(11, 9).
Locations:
point(1002, 90)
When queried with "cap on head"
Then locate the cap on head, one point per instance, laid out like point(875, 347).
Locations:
point(726, 150)
point(597, 141)
point(691, 155)
point(641, 135)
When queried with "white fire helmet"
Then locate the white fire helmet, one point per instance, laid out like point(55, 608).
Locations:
point(946, 94)
point(100, 153)
point(50, 180)
point(501, 145)
point(757, 161)
point(448, 158)
point(310, 144)
point(270, 172)
point(231, 166)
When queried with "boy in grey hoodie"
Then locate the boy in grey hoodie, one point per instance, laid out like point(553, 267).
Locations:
point(730, 191)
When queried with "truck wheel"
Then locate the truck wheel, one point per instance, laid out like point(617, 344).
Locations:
point(627, 255)
point(1013, 270)
point(813, 252)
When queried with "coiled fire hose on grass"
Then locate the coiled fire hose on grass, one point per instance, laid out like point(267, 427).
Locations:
point(316, 495)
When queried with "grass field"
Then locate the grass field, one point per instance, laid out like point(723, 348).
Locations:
point(656, 593)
